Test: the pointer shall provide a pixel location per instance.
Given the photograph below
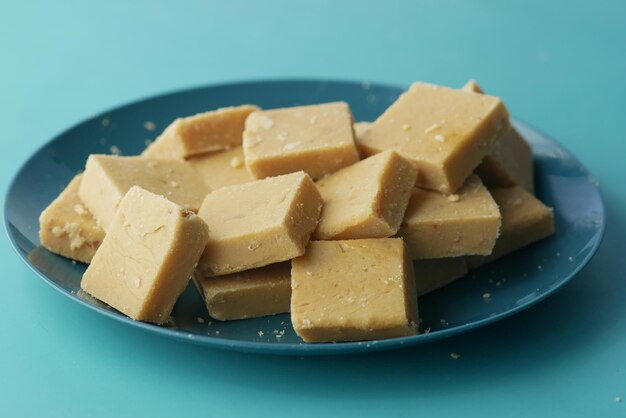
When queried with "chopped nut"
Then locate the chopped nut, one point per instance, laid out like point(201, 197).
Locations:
point(406, 127)
point(236, 162)
point(486, 295)
point(149, 126)
point(454, 198)
point(431, 128)
point(440, 138)
point(455, 356)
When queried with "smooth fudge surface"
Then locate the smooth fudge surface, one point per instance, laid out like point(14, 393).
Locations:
point(440, 226)
point(222, 169)
point(366, 199)
point(147, 256)
point(107, 178)
point(446, 132)
point(510, 161)
point(216, 130)
point(435, 273)
point(361, 129)
point(316, 139)
point(525, 220)
point(248, 294)
point(353, 290)
point(67, 228)
point(259, 223)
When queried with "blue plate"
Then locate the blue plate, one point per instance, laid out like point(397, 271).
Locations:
point(514, 282)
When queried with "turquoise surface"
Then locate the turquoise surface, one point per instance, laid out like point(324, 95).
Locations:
point(558, 65)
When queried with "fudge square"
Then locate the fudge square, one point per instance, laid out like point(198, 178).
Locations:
point(147, 256)
point(440, 226)
point(353, 290)
point(446, 132)
point(510, 161)
point(217, 130)
point(67, 228)
point(247, 294)
point(222, 169)
point(259, 223)
point(366, 199)
point(524, 220)
point(317, 139)
point(107, 178)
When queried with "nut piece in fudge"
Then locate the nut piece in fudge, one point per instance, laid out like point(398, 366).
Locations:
point(317, 139)
point(107, 178)
point(440, 226)
point(433, 274)
point(510, 161)
point(67, 228)
point(259, 223)
point(217, 130)
point(247, 294)
point(446, 132)
point(353, 290)
point(147, 256)
point(366, 199)
point(222, 169)
point(524, 220)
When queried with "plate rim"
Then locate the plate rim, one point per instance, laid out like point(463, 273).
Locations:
point(301, 348)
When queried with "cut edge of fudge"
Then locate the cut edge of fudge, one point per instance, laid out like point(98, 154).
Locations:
point(76, 235)
point(248, 294)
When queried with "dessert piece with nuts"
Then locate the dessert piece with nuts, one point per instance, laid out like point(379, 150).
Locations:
point(107, 179)
point(353, 290)
point(524, 220)
point(316, 139)
point(147, 256)
point(258, 223)
point(440, 226)
point(222, 169)
point(366, 199)
point(216, 130)
point(67, 228)
point(510, 161)
point(248, 294)
point(446, 132)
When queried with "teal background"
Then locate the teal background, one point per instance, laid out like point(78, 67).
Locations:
point(558, 65)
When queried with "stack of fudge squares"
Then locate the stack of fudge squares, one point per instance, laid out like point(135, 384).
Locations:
point(301, 210)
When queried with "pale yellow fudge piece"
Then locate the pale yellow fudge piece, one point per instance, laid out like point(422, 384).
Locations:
point(440, 226)
point(353, 290)
point(247, 294)
point(510, 161)
point(107, 178)
point(366, 199)
point(67, 228)
point(360, 129)
point(524, 220)
point(217, 130)
point(446, 132)
point(259, 223)
point(147, 256)
point(433, 274)
point(222, 169)
point(317, 139)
